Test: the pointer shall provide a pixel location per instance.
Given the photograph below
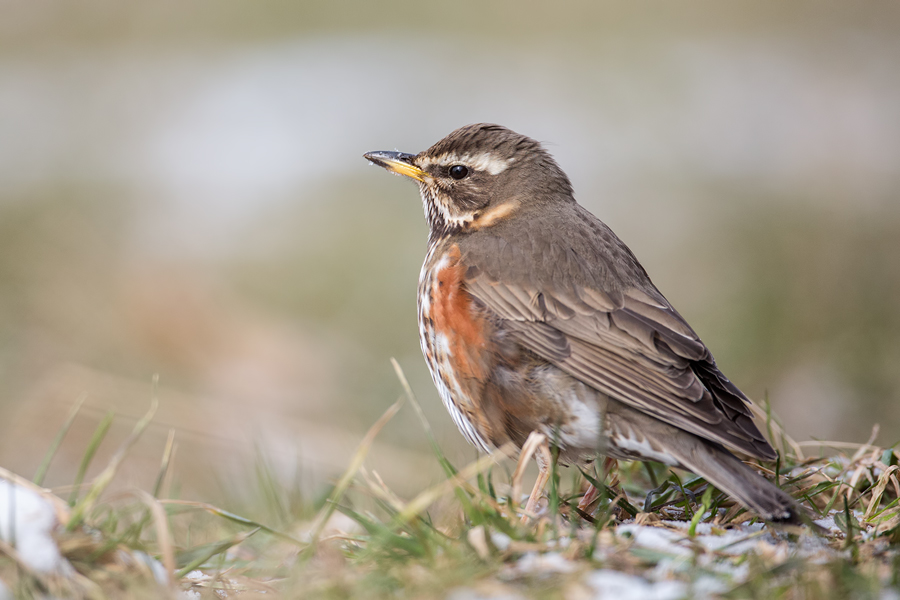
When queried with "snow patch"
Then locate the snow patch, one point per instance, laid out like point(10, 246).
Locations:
point(534, 563)
point(607, 583)
point(27, 522)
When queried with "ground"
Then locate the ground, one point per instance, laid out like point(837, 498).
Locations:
point(654, 533)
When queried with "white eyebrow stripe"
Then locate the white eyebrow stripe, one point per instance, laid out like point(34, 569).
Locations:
point(481, 162)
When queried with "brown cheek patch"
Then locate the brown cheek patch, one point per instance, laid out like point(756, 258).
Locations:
point(454, 318)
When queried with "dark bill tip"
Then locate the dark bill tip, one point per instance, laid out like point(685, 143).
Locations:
point(396, 162)
point(383, 157)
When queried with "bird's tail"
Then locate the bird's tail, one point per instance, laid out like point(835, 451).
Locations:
point(728, 473)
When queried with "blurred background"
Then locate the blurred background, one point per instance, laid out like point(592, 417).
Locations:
point(182, 193)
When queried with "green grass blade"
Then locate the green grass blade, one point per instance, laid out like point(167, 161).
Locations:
point(407, 389)
point(449, 470)
point(164, 465)
point(622, 503)
point(229, 516)
point(361, 451)
point(94, 443)
point(106, 476)
point(200, 555)
point(60, 435)
point(704, 508)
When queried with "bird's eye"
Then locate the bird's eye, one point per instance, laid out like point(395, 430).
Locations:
point(459, 171)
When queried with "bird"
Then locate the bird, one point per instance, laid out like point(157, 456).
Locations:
point(536, 319)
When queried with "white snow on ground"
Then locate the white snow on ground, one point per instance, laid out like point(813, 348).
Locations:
point(27, 521)
point(673, 539)
point(156, 567)
point(655, 538)
point(828, 524)
point(613, 585)
point(534, 563)
point(465, 593)
point(716, 550)
point(500, 540)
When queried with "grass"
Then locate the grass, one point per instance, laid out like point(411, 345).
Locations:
point(361, 540)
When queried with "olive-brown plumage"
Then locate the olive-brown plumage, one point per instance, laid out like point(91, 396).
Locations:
point(534, 316)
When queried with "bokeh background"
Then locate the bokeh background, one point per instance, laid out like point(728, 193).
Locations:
point(182, 193)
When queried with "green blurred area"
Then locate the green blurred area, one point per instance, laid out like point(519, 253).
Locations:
point(99, 21)
point(182, 193)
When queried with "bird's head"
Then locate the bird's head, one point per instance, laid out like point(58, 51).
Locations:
point(477, 176)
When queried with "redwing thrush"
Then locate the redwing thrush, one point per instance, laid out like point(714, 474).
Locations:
point(534, 316)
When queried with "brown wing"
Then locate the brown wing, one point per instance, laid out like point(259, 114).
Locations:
point(631, 345)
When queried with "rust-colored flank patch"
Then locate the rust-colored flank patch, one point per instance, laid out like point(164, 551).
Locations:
point(455, 319)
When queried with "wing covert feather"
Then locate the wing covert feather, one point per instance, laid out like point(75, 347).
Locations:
point(631, 345)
